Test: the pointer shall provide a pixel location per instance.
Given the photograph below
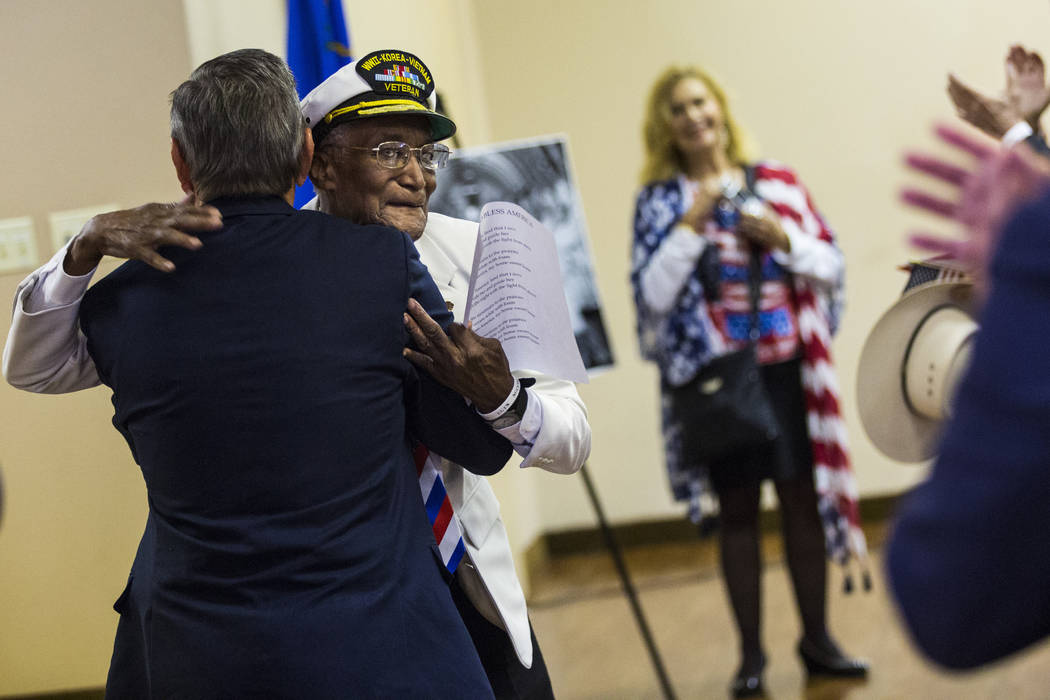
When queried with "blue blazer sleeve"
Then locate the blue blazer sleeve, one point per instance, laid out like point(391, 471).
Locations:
point(421, 287)
point(1038, 144)
point(969, 560)
point(437, 416)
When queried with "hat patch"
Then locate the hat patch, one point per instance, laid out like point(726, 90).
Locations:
point(400, 74)
point(396, 73)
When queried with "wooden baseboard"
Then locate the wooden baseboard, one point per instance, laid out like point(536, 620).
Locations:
point(875, 511)
point(84, 694)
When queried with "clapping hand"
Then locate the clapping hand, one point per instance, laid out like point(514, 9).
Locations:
point(1025, 97)
point(992, 116)
point(1026, 88)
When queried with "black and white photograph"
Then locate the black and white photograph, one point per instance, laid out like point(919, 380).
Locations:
point(537, 175)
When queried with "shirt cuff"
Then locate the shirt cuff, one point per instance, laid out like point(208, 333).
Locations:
point(54, 288)
point(523, 433)
point(1017, 133)
point(61, 289)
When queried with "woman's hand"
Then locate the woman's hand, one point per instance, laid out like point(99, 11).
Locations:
point(699, 214)
point(762, 228)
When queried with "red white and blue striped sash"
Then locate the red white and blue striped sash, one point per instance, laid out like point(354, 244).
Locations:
point(438, 507)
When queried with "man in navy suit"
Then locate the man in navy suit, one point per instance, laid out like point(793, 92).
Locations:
point(969, 559)
point(262, 390)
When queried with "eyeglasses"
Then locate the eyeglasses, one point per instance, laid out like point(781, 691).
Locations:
point(395, 154)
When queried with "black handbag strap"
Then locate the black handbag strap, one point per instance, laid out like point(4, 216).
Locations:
point(754, 277)
point(754, 283)
point(749, 178)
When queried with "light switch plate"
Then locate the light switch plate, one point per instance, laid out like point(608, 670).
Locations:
point(17, 244)
point(66, 224)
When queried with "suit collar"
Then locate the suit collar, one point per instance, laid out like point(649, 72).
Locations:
point(248, 205)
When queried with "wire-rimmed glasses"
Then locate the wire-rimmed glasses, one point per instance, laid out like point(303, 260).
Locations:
point(395, 154)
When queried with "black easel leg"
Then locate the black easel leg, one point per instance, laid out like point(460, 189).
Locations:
point(628, 587)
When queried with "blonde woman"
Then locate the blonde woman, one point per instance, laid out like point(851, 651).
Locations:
point(704, 213)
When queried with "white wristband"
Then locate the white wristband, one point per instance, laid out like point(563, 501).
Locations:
point(507, 403)
point(1017, 133)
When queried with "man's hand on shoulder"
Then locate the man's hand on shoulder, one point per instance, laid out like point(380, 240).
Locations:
point(462, 360)
point(136, 234)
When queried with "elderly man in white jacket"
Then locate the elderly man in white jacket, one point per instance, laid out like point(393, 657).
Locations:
point(376, 158)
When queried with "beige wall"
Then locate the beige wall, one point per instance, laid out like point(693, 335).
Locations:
point(85, 88)
point(441, 31)
point(834, 89)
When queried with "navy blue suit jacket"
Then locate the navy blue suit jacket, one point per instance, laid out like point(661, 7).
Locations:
point(1038, 144)
point(262, 390)
point(969, 560)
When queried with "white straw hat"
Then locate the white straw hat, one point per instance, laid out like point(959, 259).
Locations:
point(910, 367)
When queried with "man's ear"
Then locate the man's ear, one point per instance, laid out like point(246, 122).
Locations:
point(182, 169)
point(306, 156)
point(322, 172)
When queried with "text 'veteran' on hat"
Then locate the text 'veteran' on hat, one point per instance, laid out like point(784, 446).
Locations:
point(381, 83)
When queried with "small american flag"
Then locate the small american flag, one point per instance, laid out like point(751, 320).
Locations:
point(940, 269)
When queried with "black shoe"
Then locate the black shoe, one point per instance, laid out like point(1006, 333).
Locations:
point(822, 663)
point(748, 684)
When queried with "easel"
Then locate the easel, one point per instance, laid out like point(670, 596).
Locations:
point(628, 587)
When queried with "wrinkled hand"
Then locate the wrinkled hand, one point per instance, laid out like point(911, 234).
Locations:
point(989, 193)
point(136, 234)
point(992, 116)
point(1026, 88)
point(763, 229)
point(462, 360)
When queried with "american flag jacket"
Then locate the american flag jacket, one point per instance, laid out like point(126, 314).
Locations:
point(682, 340)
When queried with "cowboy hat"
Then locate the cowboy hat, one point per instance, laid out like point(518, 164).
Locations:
point(910, 366)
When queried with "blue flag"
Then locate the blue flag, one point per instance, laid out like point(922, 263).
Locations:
point(318, 46)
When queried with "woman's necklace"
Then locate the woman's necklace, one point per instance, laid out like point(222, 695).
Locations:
point(727, 182)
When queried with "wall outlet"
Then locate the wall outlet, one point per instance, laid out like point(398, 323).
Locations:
point(17, 244)
point(66, 224)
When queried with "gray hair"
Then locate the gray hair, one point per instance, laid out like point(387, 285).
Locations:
point(238, 126)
